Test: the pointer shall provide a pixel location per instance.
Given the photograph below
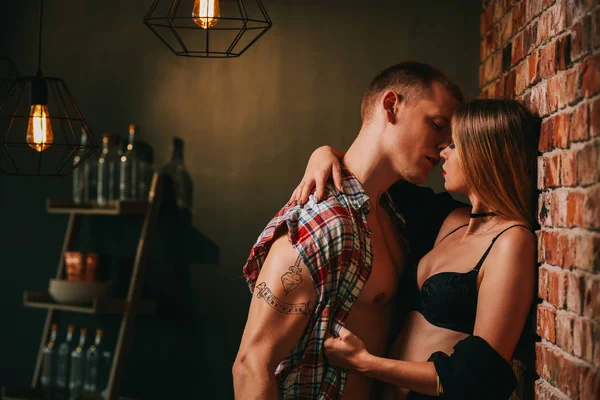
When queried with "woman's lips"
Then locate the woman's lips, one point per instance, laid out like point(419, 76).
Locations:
point(443, 173)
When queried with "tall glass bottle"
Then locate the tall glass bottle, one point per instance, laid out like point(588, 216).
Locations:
point(92, 366)
point(79, 178)
point(62, 364)
point(49, 361)
point(108, 170)
point(77, 368)
point(128, 183)
point(182, 183)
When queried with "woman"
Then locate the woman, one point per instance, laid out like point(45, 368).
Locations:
point(470, 295)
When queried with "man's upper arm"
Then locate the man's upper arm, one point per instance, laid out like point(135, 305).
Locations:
point(281, 306)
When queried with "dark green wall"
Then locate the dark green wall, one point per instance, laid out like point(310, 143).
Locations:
point(249, 125)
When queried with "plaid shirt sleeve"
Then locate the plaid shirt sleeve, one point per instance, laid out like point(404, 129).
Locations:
point(326, 236)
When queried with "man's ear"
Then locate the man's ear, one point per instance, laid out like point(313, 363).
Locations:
point(390, 103)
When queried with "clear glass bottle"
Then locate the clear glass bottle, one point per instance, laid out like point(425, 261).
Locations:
point(49, 361)
point(128, 183)
point(104, 369)
point(182, 183)
point(92, 365)
point(77, 368)
point(108, 170)
point(62, 364)
point(79, 178)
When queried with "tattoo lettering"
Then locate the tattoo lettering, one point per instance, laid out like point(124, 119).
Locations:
point(265, 293)
point(292, 279)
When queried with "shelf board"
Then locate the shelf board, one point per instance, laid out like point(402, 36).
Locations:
point(96, 306)
point(61, 206)
point(28, 393)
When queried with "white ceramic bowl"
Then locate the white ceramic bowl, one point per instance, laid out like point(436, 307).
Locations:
point(63, 291)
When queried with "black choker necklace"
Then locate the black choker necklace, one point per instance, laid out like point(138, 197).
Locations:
point(485, 214)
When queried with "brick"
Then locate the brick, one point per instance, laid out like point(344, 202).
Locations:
point(591, 205)
point(504, 30)
point(575, 202)
point(596, 29)
point(559, 207)
point(546, 323)
point(596, 332)
point(563, 52)
point(583, 339)
point(534, 7)
point(557, 281)
point(549, 171)
point(542, 277)
point(546, 142)
point(486, 20)
point(587, 164)
point(481, 75)
point(589, 384)
point(519, 16)
point(492, 67)
point(517, 48)
point(575, 9)
point(543, 215)
point(586, 253)
point(569, 254)
point(555, 93)
point(509, 84)
point(595, 118)
point(569, 371)
point(571, 87)
point(581, 38)
point(546, 363)
point(590, 81)
point(506, 57)
point(564, 331)
point(574, 293)
point(522, 78)
point(498, 10)
point(568, 170)
point(579, 124)
point(499, 88)
point(548, 60)
point(488, 45)
point(562, 124)
point(591, 302)
point(530, 37)
point(538, 102)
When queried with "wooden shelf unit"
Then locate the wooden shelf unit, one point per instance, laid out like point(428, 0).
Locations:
point(128, 307)
point(95, 306)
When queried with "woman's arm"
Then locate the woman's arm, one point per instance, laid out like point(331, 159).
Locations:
point(348, 351)
point(323, 163)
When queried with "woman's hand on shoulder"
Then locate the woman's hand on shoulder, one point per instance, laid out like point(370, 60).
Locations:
point(323, 163)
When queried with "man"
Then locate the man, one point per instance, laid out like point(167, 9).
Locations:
point(321, 266)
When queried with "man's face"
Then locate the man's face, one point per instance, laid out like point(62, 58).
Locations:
point(419, 132)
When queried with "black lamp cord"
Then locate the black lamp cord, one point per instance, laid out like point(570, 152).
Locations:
point(39, 71)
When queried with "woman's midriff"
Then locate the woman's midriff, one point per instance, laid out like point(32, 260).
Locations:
point(416, 342)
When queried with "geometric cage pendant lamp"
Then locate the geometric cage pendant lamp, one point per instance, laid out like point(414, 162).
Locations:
point(42, 131)
point(208, 28)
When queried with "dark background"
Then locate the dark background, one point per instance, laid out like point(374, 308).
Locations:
point(249, 125)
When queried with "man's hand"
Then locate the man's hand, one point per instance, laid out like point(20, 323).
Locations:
point(346, 351)
point(323, 163)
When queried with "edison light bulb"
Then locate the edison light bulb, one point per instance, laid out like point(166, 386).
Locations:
point(39, 130)
point(206, 13)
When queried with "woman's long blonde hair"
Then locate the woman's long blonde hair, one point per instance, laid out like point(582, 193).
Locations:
point(497, 143)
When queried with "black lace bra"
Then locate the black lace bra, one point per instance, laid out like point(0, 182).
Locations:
point(449, 299)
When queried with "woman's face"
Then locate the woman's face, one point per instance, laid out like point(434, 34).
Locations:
point(452, 170)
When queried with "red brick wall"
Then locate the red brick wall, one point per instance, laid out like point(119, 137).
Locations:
point(546, 53)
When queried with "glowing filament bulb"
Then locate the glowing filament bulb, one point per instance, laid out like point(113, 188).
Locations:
point(206, 13)
point(39, 130)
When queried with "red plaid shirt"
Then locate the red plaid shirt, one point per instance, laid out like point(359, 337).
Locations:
point(334, 242)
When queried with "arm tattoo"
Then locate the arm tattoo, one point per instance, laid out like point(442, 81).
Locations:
point(292, 279)
point(265, 293)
